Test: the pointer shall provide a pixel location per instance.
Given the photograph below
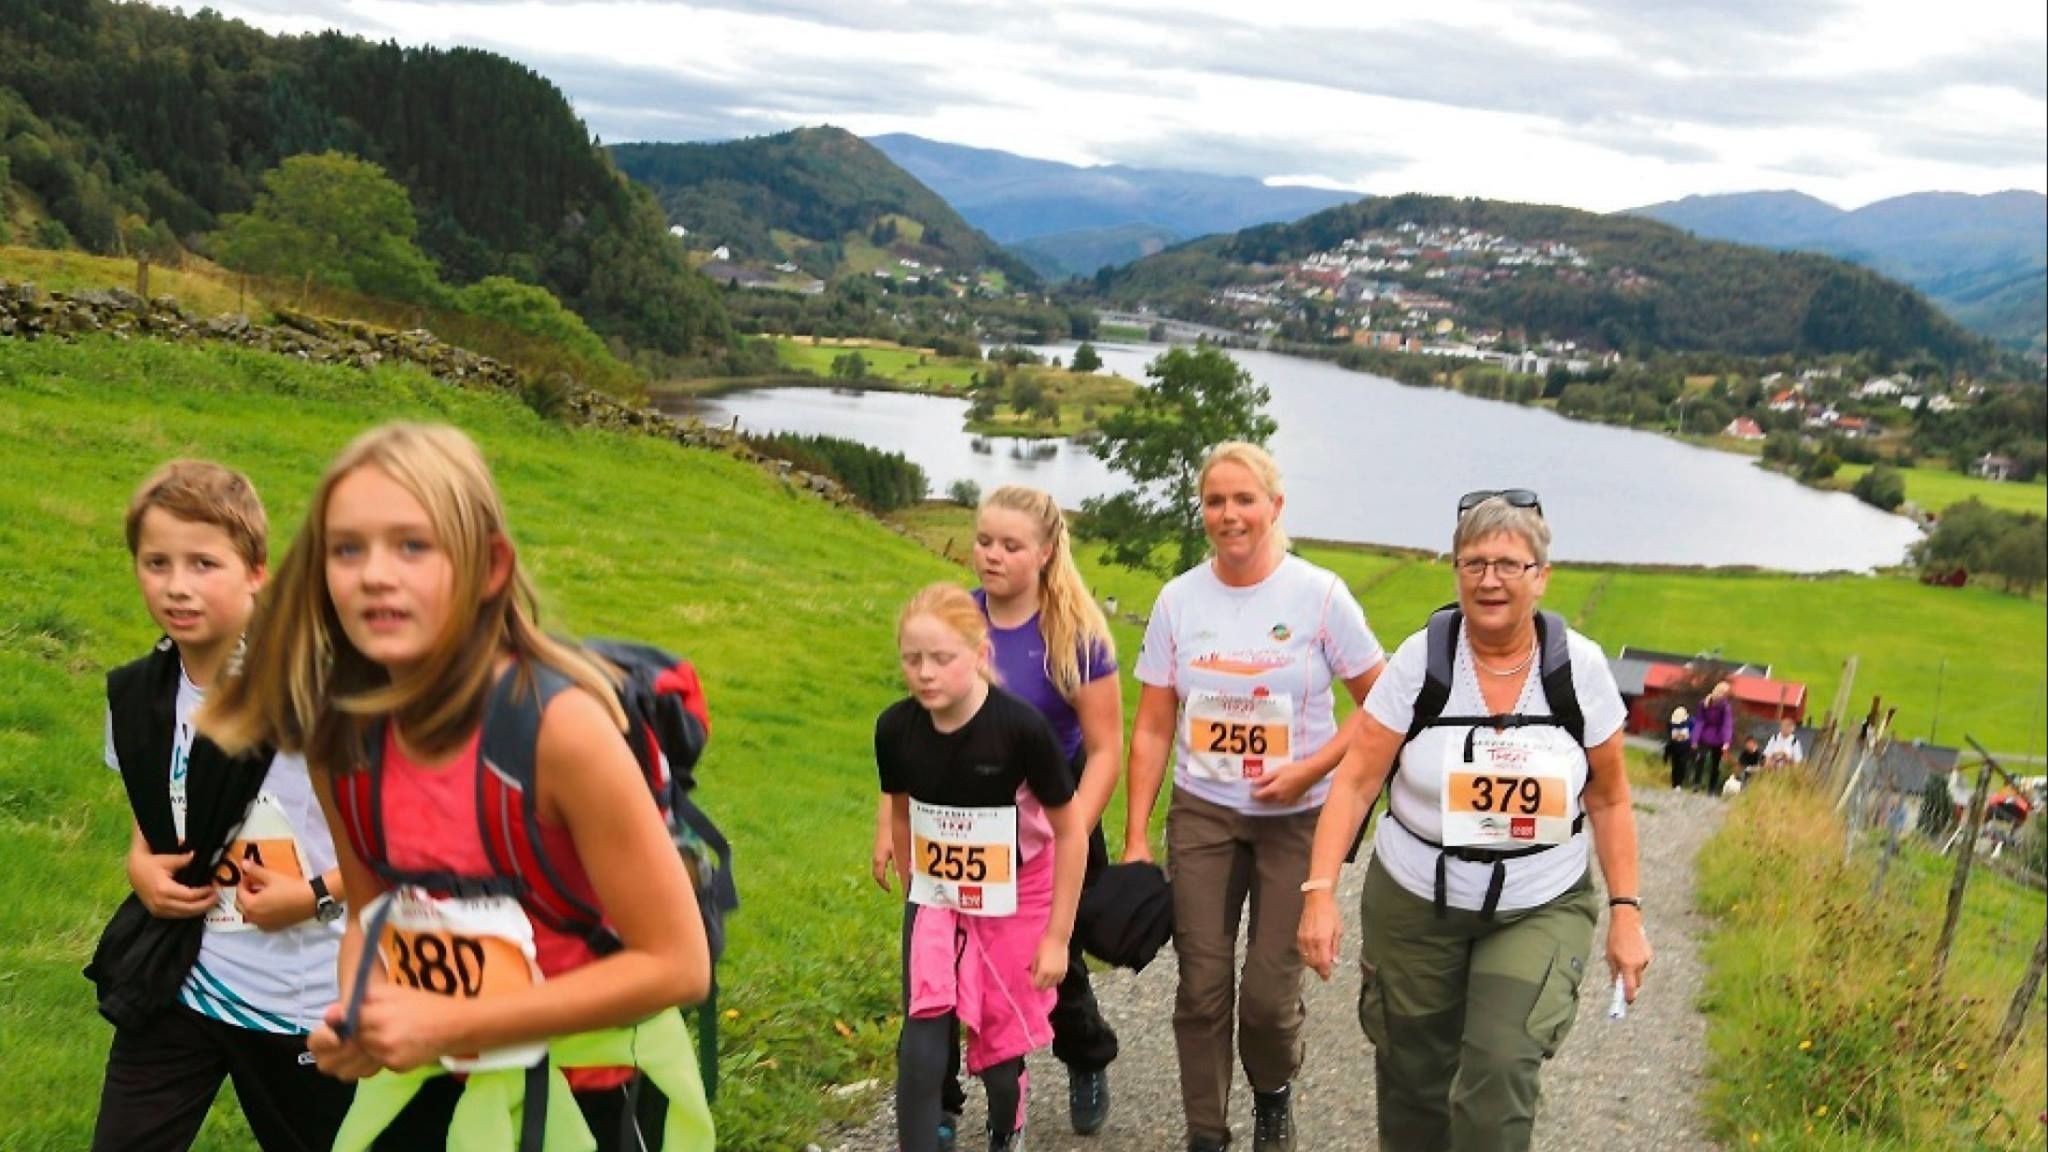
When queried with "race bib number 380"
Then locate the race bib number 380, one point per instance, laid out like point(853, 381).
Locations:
point(1234, 736)
point(473, 949)
point(964, 858)
point(1513, 792)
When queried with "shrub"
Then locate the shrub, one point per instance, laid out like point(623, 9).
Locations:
point(965, 493)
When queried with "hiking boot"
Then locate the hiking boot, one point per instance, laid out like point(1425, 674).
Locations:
point(949, 1130)
point(1208, 1143)
point(1273, 1121)
point(1088, 1100)
point(1013, 1142)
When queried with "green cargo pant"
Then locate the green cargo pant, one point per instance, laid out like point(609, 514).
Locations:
point(1462, 1012)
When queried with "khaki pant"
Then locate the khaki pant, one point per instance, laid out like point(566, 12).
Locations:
point(1219, 857)
point(1463, 1012)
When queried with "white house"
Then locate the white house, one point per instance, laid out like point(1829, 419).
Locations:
point(1941, 403)
point(1879, 386)
point(721, 253)
point(1992, 467)
point(678, 231)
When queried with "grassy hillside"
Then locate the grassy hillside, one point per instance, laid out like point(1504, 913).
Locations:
point(822, 198)
point(785, 604)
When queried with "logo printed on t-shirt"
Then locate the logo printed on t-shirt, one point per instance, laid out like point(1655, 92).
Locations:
point(1281, 632)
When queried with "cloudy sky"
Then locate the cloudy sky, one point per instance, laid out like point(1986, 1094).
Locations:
point(1599, 104)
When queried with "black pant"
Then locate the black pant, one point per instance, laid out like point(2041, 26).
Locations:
point(162, 1078)
point(628, 1118)
point(1706, 767)
point(1679, 757)
point(1081, 1038)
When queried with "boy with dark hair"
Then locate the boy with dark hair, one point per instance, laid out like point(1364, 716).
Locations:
point(225, 956)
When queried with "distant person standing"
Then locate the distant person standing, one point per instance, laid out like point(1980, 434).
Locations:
point(1678, 748)
point(1783, 751)
point(1713, 726)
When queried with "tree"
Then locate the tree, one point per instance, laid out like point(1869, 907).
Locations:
point(1881, 487)
point(1199, 399)
point(337, 219)
point(1026, 394)
point(1086, 359)
point(849, 366)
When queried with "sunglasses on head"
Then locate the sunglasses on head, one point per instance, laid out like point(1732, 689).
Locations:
point(1514, 497)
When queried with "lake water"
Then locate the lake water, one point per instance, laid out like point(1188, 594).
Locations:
point(1369, 460)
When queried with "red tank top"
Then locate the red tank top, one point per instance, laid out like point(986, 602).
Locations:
point(431, 825)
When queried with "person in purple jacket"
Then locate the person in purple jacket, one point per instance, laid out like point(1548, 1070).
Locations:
point(1053, 649)
point(1713, 727)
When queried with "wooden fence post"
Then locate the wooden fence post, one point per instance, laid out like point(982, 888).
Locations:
point(1974, 822)
point(2016, 1015)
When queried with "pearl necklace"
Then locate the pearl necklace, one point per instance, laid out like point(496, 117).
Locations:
point(1524, 663)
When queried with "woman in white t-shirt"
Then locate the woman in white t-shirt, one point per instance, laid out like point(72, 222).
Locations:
point(1236, 672)
point(1479, 908)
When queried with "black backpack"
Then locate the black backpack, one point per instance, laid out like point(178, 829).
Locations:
point(1554, 670)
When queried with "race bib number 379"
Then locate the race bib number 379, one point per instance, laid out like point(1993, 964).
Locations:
point(964, 858)
point(1513, 792)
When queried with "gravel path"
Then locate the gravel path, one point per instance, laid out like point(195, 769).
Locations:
point(1618, 1086)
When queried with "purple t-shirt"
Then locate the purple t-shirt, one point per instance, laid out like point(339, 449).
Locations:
point(1020, 661)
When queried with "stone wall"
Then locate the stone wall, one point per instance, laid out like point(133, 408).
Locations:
point(29, 313)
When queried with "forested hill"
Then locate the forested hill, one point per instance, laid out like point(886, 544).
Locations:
point(1615, 282)
point(131, 126)
point(821, 198)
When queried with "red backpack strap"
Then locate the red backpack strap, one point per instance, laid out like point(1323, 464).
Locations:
point(507, 803)
point(359, 801)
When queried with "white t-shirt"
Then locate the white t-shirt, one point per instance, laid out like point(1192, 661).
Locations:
point(1252, 668)
point(1785, 744)
point(278, 982)
point(1416, 796)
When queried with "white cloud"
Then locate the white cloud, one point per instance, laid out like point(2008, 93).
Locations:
point(1595, 103)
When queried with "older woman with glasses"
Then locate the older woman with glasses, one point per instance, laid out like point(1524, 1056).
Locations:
point(1497, 732)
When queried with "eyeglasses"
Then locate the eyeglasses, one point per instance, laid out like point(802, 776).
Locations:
point(1507, 571)
point(1515, 498)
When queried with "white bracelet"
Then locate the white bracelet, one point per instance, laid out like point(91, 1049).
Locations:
point(1322, 885)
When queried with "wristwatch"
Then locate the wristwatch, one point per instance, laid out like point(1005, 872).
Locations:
point(326, 909)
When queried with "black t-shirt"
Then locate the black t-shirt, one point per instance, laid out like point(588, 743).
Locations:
point(1006, 744)
point(1751, 757)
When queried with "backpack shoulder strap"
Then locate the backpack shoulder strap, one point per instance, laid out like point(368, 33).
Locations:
point(1442, 646)
point(1553, 641)
point(508, 802)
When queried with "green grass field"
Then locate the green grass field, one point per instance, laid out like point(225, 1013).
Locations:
point(1934, 489)
point(918, 368)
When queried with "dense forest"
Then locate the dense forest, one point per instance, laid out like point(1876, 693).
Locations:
point(811, 196)
point(130, 128)
point(1684, 294)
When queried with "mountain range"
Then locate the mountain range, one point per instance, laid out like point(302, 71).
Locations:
point(1984, 259)
point(1069, 220)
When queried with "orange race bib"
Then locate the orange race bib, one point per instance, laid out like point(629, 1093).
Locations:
point(473, 948)
point(964, 858)
point(1515, 791)
point(266, 840)
point(1233, 736)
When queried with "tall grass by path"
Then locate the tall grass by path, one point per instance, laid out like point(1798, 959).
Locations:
point(784, 603)
point(1823, 1030)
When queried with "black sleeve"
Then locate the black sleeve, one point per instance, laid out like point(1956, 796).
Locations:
point(1038, 758)
point(888, 750)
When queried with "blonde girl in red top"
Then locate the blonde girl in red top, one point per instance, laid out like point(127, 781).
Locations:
point(398, 610)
